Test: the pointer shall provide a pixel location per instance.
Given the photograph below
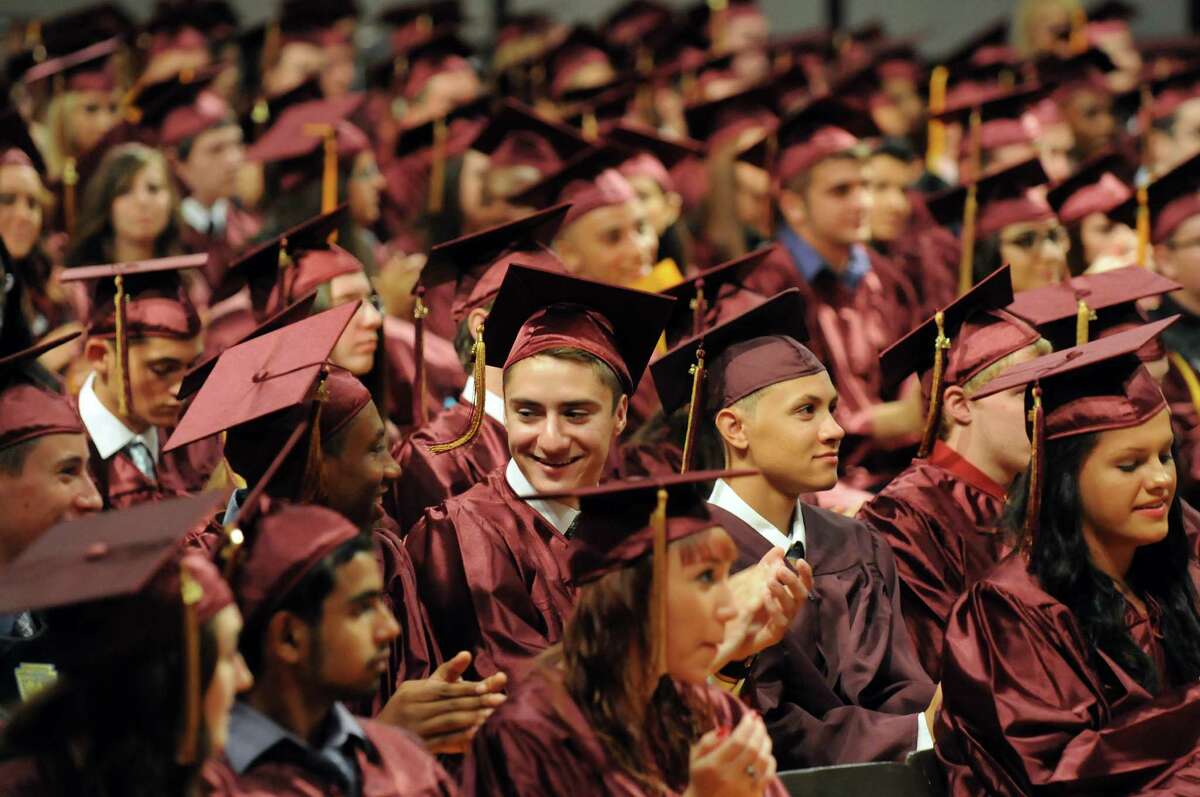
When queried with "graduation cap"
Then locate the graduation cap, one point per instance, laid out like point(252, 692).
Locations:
point(180, 107)
point(89, 69)
point(1096, 387)
point(79, 29)
point(27, 409)
point(594, 108)
point(518, 135)
point(1097, 186)
point(178, 25)
point(1085, 69)
point(824, 127)
point(713, 296)
point(416, 22)
point(16, 146)
point(316, 21)
point(1169, 201)
point(1088, 306)
point(137, 299)
point(713, 370)
point(444, 50)
point(638, 139)
point(582, 47)
point(720, 121)
point(637, 23)
point(587, 181)
point(957, 343)
point(428, 134)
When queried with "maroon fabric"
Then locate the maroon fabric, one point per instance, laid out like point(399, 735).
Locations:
point(399, 765)
point(927, 255)
point(939, 518)
point(184, 471)
point(815, 147)
point(751, 365)
point(215, 593)
point(646, 165)
point(1027, 710)
point(540, 743)
point(444, 375)
point(484, 291)
point(493, 575)
point(607, 188)
point(983, 341)
point(571, 326)
point(994, 216)
point(1140, 400)
point(845, 684)
point(182, 123)
point(429, 479)
point(148, 315)
point(241, 227)
point(1172, 215)
point(415, 652)
point(1099, 197)
point(28, 412)
point(525, 148)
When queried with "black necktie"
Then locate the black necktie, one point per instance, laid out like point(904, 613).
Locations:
point(570, 532)
point(796, 551)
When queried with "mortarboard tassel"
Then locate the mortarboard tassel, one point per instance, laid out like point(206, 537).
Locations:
point(1188, 374)
point(310, 487)
point(658, 590)
point(1143, 225)
point(966, 263)
point(589, 126)
point(420, 310)
point(479, 374)
point(70, 180)
point(940, 346)
point(191, 593)
point(935, 145)
point(1084, 315)
point(699, 308)
point(121, 343)
point(1033, 501)
point(689, 438)
point(437, 170)
point(329, 176)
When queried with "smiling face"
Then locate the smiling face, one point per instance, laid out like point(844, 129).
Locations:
point(21, 195)
point(357, 468)
point(562, 418)
point(699, 603)
point(608, 244)
point(1126, 486)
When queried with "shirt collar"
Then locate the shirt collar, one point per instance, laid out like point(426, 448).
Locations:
point(949, 460)
point(493, 405)
point(202, 219)
point(556, 513)
point(252, 734)
point(106, 430)
point(724, 497)
point(810, 264)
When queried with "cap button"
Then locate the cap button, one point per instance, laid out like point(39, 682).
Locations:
point(97, 550)
point(1073, 355)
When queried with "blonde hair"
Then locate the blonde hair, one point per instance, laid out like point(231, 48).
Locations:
point(1040, 348)
point(1023, 15)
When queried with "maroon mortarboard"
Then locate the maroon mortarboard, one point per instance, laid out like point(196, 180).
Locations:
point(961, 340)
point(414, 23)
point(425, 135)
point(443, 51)
point(285, 542)
point(998, 114)
point(588, 181)
point(79, 28)
point(1166, 93)
point(1171, 200)
point(89, 69)
point(593, 108)
point(1096, 387)
point(719, 122)
point(651, 155)
point(1098, 186)
point(632, 24)
point(537, 310)
point(316, 21)
point(16, 145)
point(582, 48)
point(27, 409)
point(176, 25)
point(713, 296)
point(824, 127)
point(1004, 198)
point(1087, 306)
point(1085, 69)
point(517, 135)
point(297, 311)
point(180, 107)
point(273, 372)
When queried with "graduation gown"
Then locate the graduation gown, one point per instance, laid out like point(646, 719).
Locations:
point(540, 743)
point(395, 765)
point(223, 247)
point(844, 684)
point(429, 479)
point(493, 575)
point(939, 518)
point(1027, 711)
point(444, 375)
point(184, 471)
point(414, 653)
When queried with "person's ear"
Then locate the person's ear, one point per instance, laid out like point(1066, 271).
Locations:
point(621, 413)
point(568, 252)
point(288, 638)
point(99, 355)
point(731, 425)
point(793, 208)
point(674, 203)
point(474, 319)
point(1164, 262)
point(956, 406)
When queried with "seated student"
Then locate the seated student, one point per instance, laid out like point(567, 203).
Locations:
point(844, 685)
point(139, 697)
point(317, 633)
point(1083, 203)
point(491, 565)
point(1075, 665)
point(315, 428)
point(137, 351)
point(939, 514)
point(622, 705)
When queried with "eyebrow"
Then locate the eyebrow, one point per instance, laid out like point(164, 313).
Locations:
point(366, 596)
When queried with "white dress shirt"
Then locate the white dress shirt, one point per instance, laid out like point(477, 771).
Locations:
point(493, 405)
point(556, 513)
point(106, 430)
point(210, 221)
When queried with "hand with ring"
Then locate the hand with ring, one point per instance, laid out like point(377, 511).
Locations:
point(737, 765)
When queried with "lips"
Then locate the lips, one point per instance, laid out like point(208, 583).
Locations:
point(1152, 509)
point(556, 465)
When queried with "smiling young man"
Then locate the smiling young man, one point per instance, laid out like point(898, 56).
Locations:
point(493, 566)
point(130, 399)
point(844, 685)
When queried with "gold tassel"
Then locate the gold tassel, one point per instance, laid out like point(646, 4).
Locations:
point(1143, 225)
point(329, 176)
point(1033, 503)
point(935, 145)
point(689, 439)
point(1083, 316)
point(658, 590)
point(121, 366)
point(699, 308)
point(966, 263)
point(940, 346)
point(192, 593)
point(70, 180)
point(310, 488)
point(1188, 374)
point(479, 374)
point(420, 310)
point(437, 170)
point(590, 126)
point(235, 538)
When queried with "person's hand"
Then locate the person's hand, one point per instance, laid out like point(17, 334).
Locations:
point(442, 709)
point(767, 597)
point(935, 706)
point(738, 765)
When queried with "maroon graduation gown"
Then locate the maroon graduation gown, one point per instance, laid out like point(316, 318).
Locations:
point(397, 764)
point(843, 685)
point(444, 375)
point(429, 479)
point(180, 472)
point(493, 575)
point(939, 518)
point(540, 743)
point(414, 653)
point(1027, 711)
point(241, 227)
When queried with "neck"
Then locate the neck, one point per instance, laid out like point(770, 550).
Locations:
point(775, 507)
point(285, 700)
point(1186, 301)
point(963, 443)
point(493, 380)
point(206, 201)
point(1112, 559)
point(125, 250)
point(108, 397)
point(834, 253)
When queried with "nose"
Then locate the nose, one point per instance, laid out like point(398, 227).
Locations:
point(832, 431)
point(244, 678)
point(388, 629)
point(723, 607)
point(552, 438)
point(1162, 478)
point(391, 468)
point(369, 317)
point(88, 499)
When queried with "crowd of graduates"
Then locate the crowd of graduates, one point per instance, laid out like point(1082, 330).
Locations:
point(652, 407)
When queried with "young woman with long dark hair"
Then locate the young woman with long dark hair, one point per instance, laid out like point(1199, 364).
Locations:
point(622, 706)
point(1076, 664)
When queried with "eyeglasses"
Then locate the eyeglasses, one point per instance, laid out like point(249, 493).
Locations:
point(1033, 239)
